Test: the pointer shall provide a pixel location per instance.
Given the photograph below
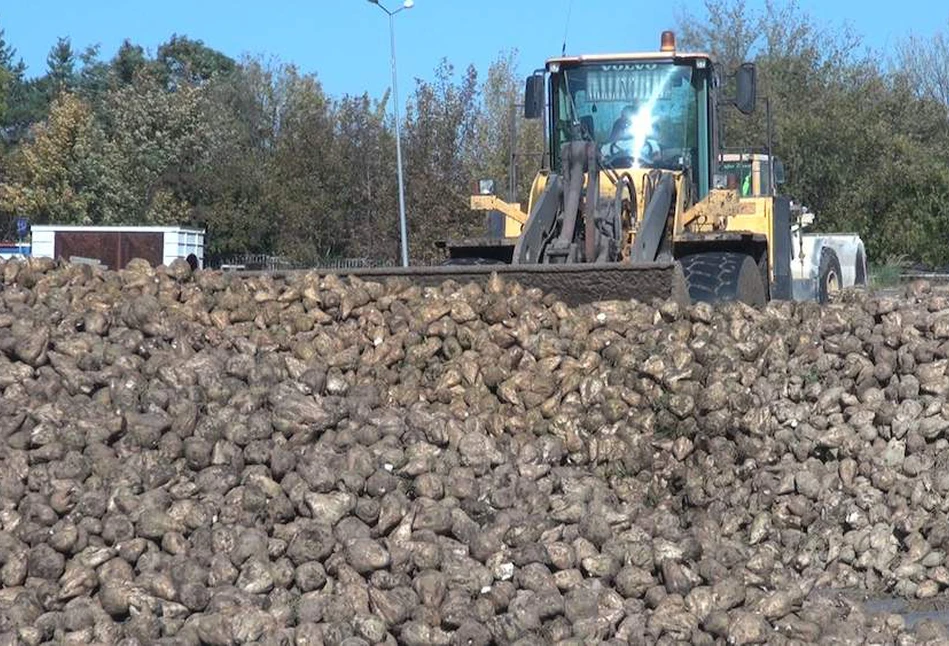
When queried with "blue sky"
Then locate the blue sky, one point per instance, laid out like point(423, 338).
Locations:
point(346, 42)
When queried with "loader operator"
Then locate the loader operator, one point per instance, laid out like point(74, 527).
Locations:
point(629, 131)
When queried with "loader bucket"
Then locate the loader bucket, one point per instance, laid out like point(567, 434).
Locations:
point(574, 284)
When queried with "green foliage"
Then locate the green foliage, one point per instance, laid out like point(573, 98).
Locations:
point(183, 61)
point(6, 80)
point(440, 142)
point(11, 82)
point(65, 173)
point(27, 104)
point(160, 139)
point(128, 62)
point(887, 273)
point(61, 67)
point(8, 73)
point(303, 175)
point(498, 148)
point(367, 196)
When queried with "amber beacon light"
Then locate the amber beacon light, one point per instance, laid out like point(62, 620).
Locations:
point(668, 42)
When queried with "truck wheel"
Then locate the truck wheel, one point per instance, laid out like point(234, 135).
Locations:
point(720, 276)
point(829, 277)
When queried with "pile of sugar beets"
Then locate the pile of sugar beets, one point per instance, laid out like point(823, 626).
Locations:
point(208, 458)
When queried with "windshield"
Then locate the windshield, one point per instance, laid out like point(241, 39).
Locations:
point(642, 114)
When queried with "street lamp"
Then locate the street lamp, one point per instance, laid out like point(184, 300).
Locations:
point(407, 4)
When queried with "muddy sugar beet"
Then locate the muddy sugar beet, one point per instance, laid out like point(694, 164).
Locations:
point(215, 459)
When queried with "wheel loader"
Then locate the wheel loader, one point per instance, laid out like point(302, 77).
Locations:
point(632, 182)
point(630, 203)
point(821, 263)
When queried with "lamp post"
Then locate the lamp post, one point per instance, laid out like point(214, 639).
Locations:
point(407, 4)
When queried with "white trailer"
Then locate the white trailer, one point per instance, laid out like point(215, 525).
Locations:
point(115, 246)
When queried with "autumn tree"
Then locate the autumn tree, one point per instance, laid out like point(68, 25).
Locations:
point(439, 146)
point(367, 198)
point(505, 139)
point(65, 173)
point(924, 62)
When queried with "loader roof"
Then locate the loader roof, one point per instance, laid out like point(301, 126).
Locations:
point(628, 56)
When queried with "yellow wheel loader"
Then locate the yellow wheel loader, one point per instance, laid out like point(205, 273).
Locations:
point(821, 263)
point(633, 183)
point(630, 203)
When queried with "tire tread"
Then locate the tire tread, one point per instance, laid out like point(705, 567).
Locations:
point(718, 276)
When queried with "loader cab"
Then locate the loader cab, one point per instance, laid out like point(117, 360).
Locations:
point(653, 110)
point(752, 174)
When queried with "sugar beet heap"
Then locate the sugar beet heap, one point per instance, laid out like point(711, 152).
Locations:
point(218, 459)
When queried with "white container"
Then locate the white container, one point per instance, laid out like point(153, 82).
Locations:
point(115, 246)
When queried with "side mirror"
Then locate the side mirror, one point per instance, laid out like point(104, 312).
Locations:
point(746, 94)
point(778, 171)
point(534, 97)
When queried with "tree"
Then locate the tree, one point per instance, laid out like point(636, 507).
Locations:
point(273, 179)
point(501, 97)
point(440, 145)
point(304, 175)
point(367, 198)
point(160, 140)
point(727, 28)
point(11, 80)
point(129, 61)
point(233, 203)
point(64, 174)
point(189, 62)
point(9, 72)
point(925, 64)
point(61, 67)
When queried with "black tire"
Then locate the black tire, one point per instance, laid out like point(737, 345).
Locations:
point(467, 262)
point(715, 277)
point(860, 272)
point(829, 276)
